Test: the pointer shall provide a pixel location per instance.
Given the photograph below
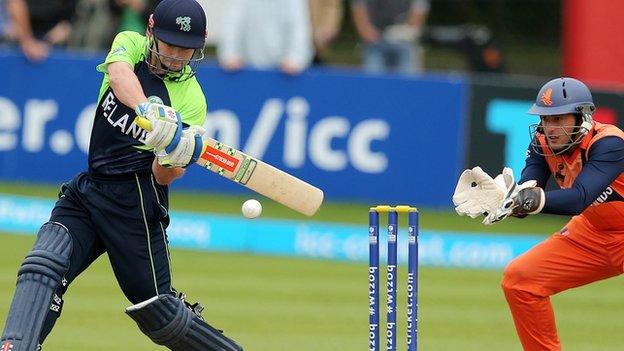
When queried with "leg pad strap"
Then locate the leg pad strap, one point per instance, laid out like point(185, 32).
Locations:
point(167, 321)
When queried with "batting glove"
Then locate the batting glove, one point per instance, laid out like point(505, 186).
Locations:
point(166, 125)
point(186, 152)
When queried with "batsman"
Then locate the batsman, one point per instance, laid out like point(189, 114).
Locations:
point(586, 160)
point(119, 206)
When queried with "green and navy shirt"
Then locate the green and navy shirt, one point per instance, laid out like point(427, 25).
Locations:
point(116, 146)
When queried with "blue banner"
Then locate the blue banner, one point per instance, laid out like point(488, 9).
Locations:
point(357, 137)
point(331, 241)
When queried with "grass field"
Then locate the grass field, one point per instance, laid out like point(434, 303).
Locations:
point(273, 303)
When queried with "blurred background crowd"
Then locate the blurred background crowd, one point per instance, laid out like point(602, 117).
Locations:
point(402, 36)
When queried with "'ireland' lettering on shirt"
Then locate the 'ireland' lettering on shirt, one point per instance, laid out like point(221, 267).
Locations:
point(123, 123)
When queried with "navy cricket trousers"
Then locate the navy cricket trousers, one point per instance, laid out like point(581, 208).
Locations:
point(124, 216)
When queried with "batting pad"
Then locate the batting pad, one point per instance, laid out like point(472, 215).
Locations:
point(168, 322)
point(38, 278)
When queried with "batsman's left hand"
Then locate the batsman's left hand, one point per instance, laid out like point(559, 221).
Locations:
point(186, 152)
point(163, 123)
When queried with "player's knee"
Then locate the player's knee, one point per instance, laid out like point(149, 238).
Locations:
point(51, 254)
point(139, 288)
point(169, 322)
point(514, 275)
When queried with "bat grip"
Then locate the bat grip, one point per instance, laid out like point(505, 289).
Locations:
point(143, 123)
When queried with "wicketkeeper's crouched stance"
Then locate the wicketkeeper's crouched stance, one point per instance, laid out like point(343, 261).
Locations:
point(586, 160)
point(119, 206)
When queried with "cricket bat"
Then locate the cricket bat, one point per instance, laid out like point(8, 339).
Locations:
point(256, 175)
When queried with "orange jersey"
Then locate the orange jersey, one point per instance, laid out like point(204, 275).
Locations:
point(604, 215)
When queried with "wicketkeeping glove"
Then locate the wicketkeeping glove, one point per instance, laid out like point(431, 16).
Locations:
point(187, 151)
point(519, 201)
point(166, 125)
point(477, 193)
point(526, 199)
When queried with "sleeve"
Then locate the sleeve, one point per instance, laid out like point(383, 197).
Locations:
point(605, 163)
point(231, 31)
point(127, 47)
point(189, 100)
point(195, 114)
point(535, 168)
point(300, 35)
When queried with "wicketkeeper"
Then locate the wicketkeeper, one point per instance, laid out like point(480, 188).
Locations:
point(119, 205)
point(585, 159)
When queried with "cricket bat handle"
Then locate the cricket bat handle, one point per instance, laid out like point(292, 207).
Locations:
point(143, 123)
point(147, 125)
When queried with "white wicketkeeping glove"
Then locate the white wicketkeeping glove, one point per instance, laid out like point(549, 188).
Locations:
point(519, 201)
point(166, 125)
point(477, 193)
point(186, 152)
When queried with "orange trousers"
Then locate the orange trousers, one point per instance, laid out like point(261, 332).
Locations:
point(577, 255)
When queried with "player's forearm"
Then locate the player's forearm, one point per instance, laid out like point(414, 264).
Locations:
point(574, 200)
point(361, 19)
point(566, 202)
point(589, 185)
point(19, 15)
point(125, 84)
point(164, 175)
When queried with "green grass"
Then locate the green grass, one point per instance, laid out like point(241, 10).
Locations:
point(272, 303)
point(275, 303)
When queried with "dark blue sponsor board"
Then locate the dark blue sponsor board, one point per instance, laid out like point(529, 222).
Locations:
point(358, 137)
